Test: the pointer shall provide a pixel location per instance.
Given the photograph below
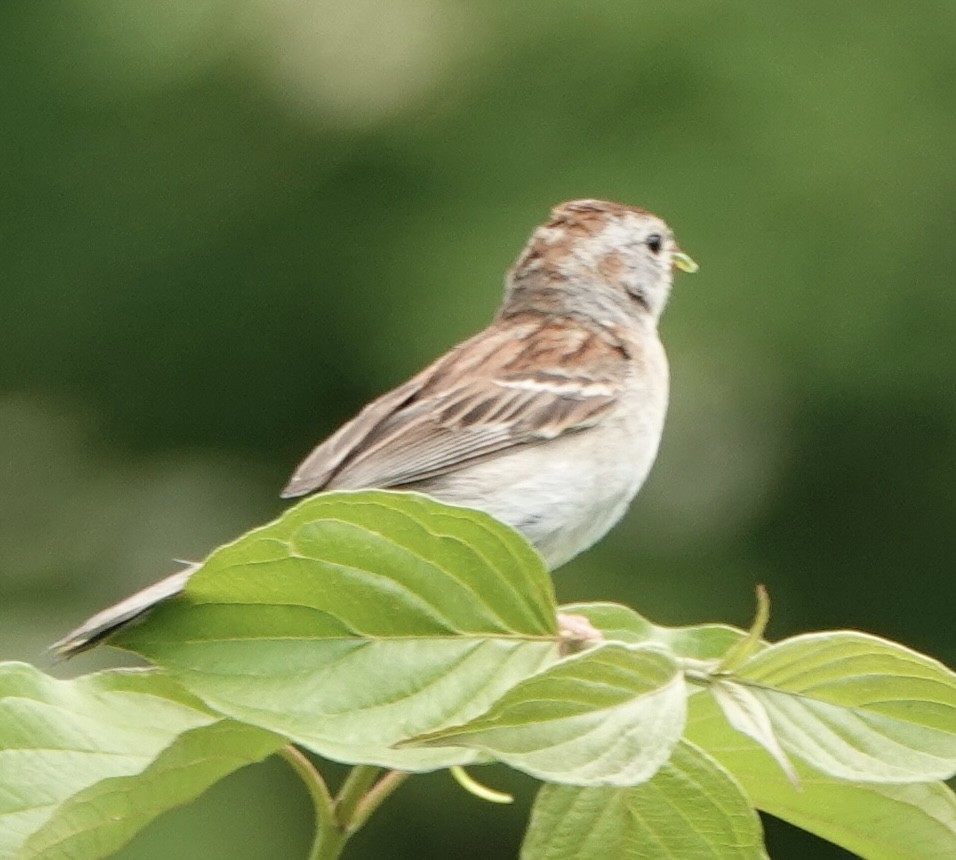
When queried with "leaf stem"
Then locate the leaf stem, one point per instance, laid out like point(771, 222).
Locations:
point(376, 796)
point(329, 837)
point(357, 784)
point(339, 818)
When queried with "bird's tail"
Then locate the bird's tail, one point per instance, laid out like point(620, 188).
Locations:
point(107, 622)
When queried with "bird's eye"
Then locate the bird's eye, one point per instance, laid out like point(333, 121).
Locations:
point(655, 242)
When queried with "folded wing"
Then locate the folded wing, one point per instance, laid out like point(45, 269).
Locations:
point(516, 383)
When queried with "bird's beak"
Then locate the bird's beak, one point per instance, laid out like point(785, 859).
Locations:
point(682, 261)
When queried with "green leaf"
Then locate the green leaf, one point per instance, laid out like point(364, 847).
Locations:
point(610, 715)
point(747, 715)
point(704, 642)
point(691, 808)
point(85, 764)
point(916, 821)
point(858, 707)
point(357, 620)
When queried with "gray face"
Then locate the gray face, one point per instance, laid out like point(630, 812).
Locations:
point(602, 260)
point(637, 250)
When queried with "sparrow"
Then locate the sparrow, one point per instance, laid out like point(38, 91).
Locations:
point(549, 420)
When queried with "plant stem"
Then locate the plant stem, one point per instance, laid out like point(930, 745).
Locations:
point(328, 844)
point(338, 819)
point(375, 796)
point(329, 838)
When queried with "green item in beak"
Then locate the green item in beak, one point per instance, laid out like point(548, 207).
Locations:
point(683, 262)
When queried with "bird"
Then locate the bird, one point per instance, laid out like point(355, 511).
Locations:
point(549, 419)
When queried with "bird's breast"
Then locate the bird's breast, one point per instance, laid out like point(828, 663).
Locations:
point(565, 493)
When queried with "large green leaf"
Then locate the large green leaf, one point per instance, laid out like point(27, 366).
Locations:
point(85, 764)
point(915, 821)
point(692, 808)
point(608, 716)
point(858, 707)
point(357, 620)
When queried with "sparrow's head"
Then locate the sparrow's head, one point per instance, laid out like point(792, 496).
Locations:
point(606, 261)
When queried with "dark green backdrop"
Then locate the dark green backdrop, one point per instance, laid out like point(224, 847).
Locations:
point(225, 225)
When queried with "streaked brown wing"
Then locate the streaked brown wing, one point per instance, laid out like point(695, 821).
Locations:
point(515, 383)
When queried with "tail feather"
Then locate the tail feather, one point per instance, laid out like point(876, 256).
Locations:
point(105, 623)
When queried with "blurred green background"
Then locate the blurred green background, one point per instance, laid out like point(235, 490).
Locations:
point(225, 225)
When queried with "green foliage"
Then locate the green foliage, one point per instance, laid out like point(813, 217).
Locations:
point(691, 807)
point(358, 620)
point(874, 820)
point(609, 716)
point(387, 630)
point(85, 764)
point(856, 706)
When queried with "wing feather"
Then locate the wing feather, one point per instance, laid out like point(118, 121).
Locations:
point(516, 383)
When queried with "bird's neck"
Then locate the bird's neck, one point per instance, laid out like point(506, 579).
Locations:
point(578, 295)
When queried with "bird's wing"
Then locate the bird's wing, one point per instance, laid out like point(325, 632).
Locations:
point(515, 383)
